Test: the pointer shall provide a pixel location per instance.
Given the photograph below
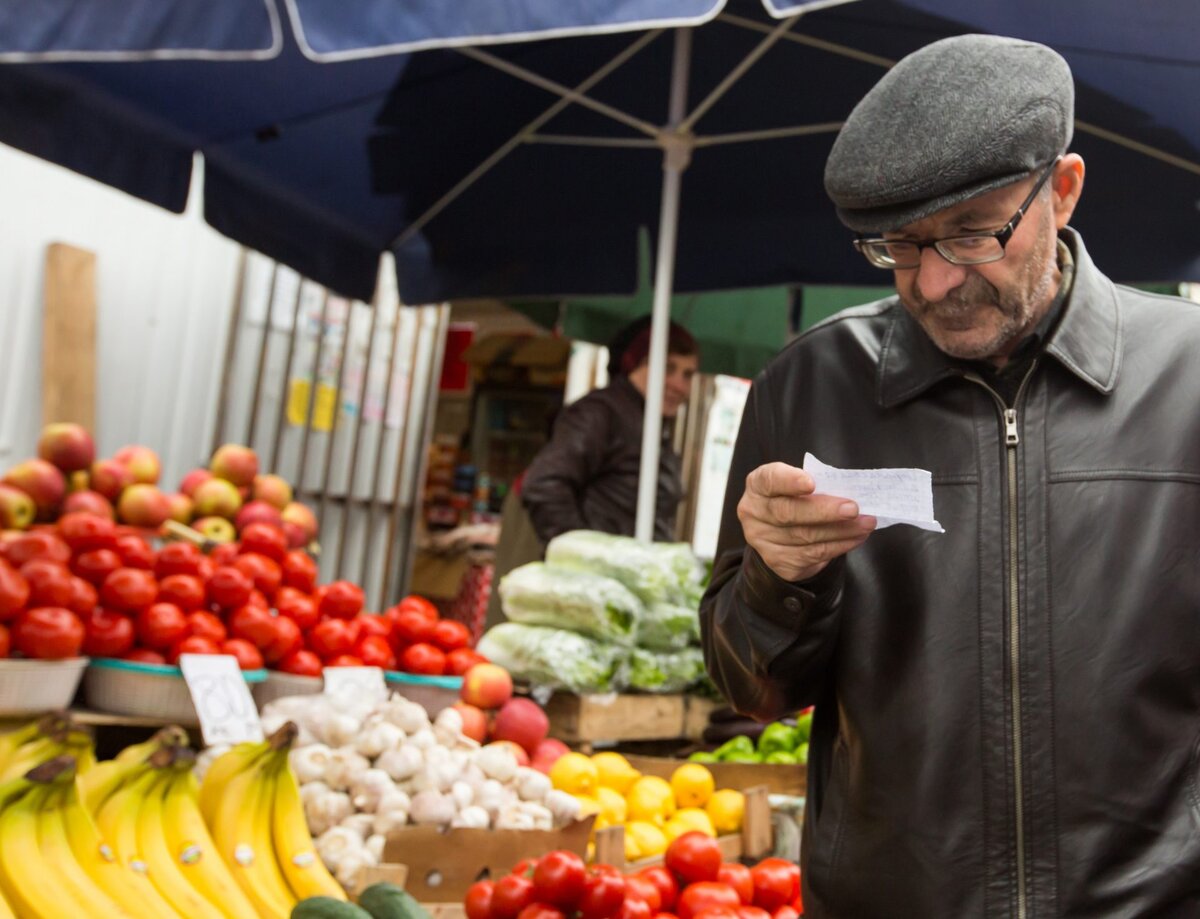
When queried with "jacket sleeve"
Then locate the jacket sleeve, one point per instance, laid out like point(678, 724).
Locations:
point(555, 482)
point(767, 642)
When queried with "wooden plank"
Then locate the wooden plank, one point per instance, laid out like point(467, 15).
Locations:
point(778, 778)
point(372, 874)
point(69, 336)
point(584, 719)
point(695, 715)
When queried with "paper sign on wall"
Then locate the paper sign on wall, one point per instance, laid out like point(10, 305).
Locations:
point(355, 683)
point(224, 706)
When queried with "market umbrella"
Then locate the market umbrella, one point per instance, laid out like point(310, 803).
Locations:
point(526, 168)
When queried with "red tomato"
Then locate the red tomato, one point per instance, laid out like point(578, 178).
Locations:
point(48, 632)
point(668, 887)
point(423, 658)
point(5, 641)
point(644, 889)
point(229, 588)
point(375, 651)
point(341, 600)
point(372, 624)
point(705, 895)
point(411, 628)
point(460, 660)
point(634, 909)
point(603, 895)
point(297, 606)
point(83, 597)
point(177, 558)
point(184, 590)
point(558, 879)
point(541, 911)
point(694, 857)
point(161, 625)
point(135, 552)
point(719, 912)
point(144, 656)
point(96, 565)
point(302, 662)
point(36, 544)
point(252, 623)
point(524, 867)
point(224, 554)
point(776, 883)
point(14, 591)
point(787, 911)
point(665, 916)
point(193, 644)
point(206, 625)
point(264, 539)
point(420, 605)
point(83, 532)
point(258, 598)
point(331, 638)
point(299, 570)
point(288, 638)
point(450, 635)
point(345, 660)
point(49, 582)
point(747, 911)
point(478, 901)
point(130, 589)
point(261, 570)
point(511, 894)
point(738, 877)
point(107, 633)
point(248, 656)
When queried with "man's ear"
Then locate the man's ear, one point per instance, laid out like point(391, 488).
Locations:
point(1065, 188)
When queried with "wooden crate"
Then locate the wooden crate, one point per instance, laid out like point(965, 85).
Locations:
point(588, 719)
point(753, 842)
point(779, 779)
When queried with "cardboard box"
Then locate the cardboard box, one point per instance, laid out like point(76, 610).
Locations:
point(616, 717)
point(779, 779)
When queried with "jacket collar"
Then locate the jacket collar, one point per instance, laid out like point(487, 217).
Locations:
point(1087, 340)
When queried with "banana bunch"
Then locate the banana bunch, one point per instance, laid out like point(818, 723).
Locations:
point(52, 735)
point(250, 801)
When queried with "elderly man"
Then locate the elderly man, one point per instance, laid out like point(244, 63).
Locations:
point(1007, 714)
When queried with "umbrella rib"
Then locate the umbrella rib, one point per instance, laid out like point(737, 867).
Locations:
point(569, 94)
point(579, 140)
point(831, 47)
point(520, 137)
point(1132, 144)
point(740, 137)
point(773, 35)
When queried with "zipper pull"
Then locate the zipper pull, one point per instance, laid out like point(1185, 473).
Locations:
point(1011, 439)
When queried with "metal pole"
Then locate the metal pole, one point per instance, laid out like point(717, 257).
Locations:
point(331, 434)
point(286, 377)
point(235, 321)
point(380, 443)
point(676, 152)
point(312, 395)
point(362, 400)
point(262, 358)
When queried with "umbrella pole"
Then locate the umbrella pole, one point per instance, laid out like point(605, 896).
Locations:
point(676, 154)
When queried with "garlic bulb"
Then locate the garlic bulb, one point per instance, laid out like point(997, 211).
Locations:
point(432, 808)
point(371, 786)
point(474, 817)
point(512, 817)
point(344, 768)
point(311, 790)
point(564, 807)
point(378, 736)
point(531, 784)
point(497, 762)
point(392, 813)
point(335, 844)
point(404, 714)
point(324, 811)
point(401, 763)
point(362, 825)
point(374, 847)
point(309, 763)
point(463, 795)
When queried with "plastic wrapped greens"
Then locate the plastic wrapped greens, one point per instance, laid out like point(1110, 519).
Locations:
point(670, 671)
point(540, 594)
point(555, 657)
point(657, 572)
point(666, 627)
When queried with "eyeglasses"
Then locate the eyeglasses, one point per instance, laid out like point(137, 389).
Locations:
point(976, 249)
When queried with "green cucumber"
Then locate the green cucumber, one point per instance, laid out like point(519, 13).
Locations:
point(385, 900)
point(327, 908)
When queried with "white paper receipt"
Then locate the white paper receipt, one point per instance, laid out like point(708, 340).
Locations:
point(890, 495)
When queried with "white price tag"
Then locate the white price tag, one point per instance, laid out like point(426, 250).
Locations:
point(355, 683)
point(222, 698)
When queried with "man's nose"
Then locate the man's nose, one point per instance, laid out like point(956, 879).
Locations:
point(936, 277)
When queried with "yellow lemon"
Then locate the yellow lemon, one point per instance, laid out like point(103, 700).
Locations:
point(612, 806)
point(726, 807)
point(693, 785)
point(632, 852)
point(649, 839)
point(615, 771)
point(588, 805)
point(687, 819)
point(574, 773)
point(650, 798)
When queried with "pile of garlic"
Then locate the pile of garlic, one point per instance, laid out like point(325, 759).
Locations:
point(367, 771)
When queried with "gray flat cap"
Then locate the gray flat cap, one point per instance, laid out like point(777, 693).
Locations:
point(955, 119)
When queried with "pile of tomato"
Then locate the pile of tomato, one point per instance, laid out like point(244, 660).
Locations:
point(85, 585)
point(693, 882)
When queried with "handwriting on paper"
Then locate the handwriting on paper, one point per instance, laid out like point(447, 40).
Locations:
point(890, 495)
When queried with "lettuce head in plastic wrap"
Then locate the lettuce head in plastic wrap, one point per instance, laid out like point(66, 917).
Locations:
point(667, 627)
point(665, 671)
point(657, 572)
point(601, 607)
point(556, 658)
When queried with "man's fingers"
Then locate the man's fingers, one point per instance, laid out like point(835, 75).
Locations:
point(779, 480)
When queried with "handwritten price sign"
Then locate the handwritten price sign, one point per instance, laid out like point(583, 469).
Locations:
point(224, 706)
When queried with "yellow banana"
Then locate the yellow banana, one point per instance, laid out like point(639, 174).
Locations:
point(160, 863)
point(102, 779)
point(56, 850)
point(6, 910)
point(17, 737)
point(31, 884)
point(224, 768)
point(306, 875)
point(241, 828)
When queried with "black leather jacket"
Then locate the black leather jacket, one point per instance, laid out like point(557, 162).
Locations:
point(587, 476)
point(1008, 715)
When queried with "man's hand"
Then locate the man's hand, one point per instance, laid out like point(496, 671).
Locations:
point(796, 532)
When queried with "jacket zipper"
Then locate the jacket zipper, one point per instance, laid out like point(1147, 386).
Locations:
point(1012, 440)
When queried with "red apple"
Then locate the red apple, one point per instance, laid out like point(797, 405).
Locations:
point(300, 516)
point(297, 538)
point(235, 463)
point(42, 481)
point(487, 686)
point(546, 754)
point(192, 481)
point(142, 462)
point(473, 719)
point(77, 481)
point(522, 721)
point(17, 509)
point(89, 502)
point(257, 512)
point(217, 529)
point(143, 505)
point(216, 498)
point(68, 446)
point(180, 507)
point(109, 478)
point(273, 489)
